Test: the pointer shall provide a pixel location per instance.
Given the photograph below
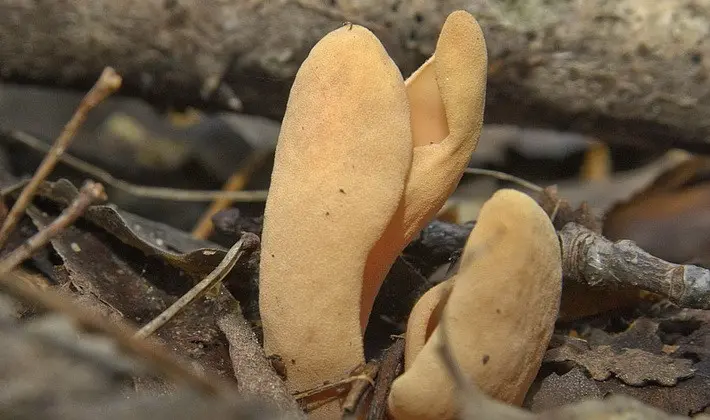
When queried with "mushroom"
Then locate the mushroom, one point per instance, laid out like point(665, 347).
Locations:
point(363, 162)
point(341, 162)
point(446, 98)
point(423, 319)
point(500, 312)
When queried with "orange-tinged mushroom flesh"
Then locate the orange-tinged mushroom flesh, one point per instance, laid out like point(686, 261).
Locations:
point(446, 98)
point(500, 313)
point(341, 162)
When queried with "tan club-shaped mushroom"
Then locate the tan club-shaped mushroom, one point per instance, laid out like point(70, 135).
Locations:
point(500, 312)
point(363, 162)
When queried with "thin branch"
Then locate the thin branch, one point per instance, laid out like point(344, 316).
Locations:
point(593, 260)
point(360, 390)
point(203, 229)
point(391, 366)
point(108, 82)
point(313, 398)
point(219, 273)
point(156, 193)
point(505, 177)
point(89, 194)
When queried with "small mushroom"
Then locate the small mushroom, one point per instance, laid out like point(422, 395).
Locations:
point(446, 98)
point(500, 313)
point(423, 319)
point(341, 162)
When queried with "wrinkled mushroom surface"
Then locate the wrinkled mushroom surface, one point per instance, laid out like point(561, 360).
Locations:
point(500, 313)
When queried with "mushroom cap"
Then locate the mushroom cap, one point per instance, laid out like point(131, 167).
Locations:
point(499, 316)
point(341, 162)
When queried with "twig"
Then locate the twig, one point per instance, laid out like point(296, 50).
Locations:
point(505, 177)
point(327, 392)
point(225, 266)
point(157, 193)
point(593, 260)
point(391, 366)
point(108, 82)
point(360, 390)
point(203, 229)
point(89, 194)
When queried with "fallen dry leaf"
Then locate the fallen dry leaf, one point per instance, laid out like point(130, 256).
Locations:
point(558, 390)
point(632, 366)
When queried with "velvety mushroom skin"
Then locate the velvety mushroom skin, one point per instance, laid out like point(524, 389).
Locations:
point(423, 320)
point(499, 316)
point(446, 99)
point(341, 162)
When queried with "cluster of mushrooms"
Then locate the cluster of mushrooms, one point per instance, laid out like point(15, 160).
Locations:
point(364, 161)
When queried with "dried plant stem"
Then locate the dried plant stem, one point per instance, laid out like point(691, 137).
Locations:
point(157, 193)
point(108, 82)
point(236, 182)
point(312, 398)
point(90, 193)
point(224, 267)
point(360, 391)
point(391, 366)
point(505, 177)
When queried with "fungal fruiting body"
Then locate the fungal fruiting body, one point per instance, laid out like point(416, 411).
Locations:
point(363, 162)
point(446, 100)
point(499, 314)
point(343, 155)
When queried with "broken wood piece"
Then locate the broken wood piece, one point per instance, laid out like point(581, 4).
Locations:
point(391, 366)
point(561, 65)
point(597, 262)
point(361, 389)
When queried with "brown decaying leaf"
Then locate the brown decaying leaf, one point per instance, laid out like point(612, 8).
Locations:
point(559, 390)
point(129, 283)
point(632, 366)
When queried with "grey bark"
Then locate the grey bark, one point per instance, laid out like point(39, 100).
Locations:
point(595, 261)
point(626, 71)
